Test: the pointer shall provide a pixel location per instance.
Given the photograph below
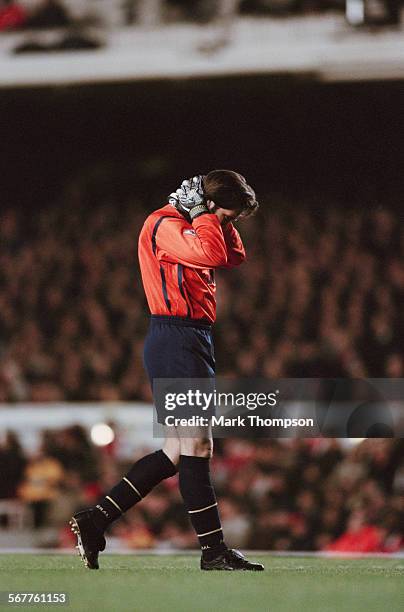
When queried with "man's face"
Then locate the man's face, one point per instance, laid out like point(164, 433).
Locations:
point(225, 214)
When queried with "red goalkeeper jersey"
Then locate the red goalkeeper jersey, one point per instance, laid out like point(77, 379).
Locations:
point(177, 262)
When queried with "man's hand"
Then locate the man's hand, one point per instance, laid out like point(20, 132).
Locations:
point(189, 197)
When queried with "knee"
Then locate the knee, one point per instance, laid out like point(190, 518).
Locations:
point(197, 447)
point(172, 449)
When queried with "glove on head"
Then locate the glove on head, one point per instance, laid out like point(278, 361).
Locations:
point(189, 197)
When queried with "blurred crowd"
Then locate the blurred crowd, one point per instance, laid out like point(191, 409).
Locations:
point(29, 14)
point(276, 495)
point(320, 296)
point(72, 25)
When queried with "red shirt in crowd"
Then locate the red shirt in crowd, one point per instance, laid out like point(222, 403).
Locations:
point(367, 539)
point(177, 261)
point(12, 16)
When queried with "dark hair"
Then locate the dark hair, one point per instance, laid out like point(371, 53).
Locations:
point(230, 190)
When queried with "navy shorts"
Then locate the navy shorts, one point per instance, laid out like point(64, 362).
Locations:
point(178, 348)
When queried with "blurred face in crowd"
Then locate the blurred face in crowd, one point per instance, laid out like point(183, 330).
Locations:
point(31, 5)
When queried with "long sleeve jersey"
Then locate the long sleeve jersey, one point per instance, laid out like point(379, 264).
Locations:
point(177, 262)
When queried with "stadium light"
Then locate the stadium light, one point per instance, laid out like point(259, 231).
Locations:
point(102, 434)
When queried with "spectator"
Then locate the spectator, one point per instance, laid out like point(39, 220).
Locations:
point(359, 536)
point(12, 462)
point(12, 15)
point(49, 14)
point(40, 486)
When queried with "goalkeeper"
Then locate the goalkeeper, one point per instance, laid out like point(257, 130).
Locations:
point(180, 246)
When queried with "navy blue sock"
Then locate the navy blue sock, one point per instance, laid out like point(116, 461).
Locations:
point(143, 476)
point(200, 501)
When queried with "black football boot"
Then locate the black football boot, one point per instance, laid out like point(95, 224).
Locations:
point(231, 560)
point(90, 540)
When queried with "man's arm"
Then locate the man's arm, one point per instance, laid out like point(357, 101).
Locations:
point(234, 246)
point(204, 247)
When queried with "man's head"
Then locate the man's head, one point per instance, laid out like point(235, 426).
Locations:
point(222, 192)
point(230, 192)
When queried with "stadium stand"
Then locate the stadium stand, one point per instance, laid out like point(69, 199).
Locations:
point(325, 296)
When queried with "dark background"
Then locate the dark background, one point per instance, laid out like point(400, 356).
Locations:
point(295, 137)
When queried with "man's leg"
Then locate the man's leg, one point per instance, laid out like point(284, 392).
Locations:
point(89, 525)
point(143, 476)
point(196, 488)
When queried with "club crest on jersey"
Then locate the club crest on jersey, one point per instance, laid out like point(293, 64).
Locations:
point(189, 232)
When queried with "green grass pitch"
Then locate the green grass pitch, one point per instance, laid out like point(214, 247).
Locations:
point(151, 583)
